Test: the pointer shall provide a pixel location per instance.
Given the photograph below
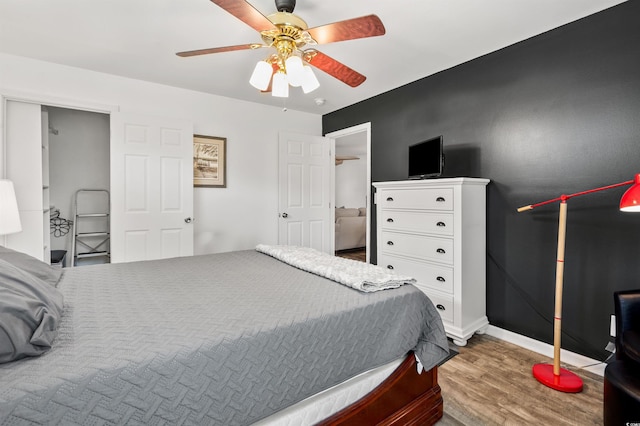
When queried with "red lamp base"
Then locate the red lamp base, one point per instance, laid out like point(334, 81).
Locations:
point(565, 382)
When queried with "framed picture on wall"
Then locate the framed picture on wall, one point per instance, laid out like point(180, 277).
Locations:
point(209, 161)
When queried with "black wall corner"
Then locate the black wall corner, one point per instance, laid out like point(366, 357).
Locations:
point(555, 114)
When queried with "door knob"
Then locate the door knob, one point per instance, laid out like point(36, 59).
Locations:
point(285, 215)
point(187, 220)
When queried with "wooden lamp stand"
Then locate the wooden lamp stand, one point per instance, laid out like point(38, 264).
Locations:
point(554, 376)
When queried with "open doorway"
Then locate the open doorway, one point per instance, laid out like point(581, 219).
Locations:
point(78, 160)
point(352, 188)
point(51, 149)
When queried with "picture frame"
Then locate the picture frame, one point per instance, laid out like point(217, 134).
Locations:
point(209, 161)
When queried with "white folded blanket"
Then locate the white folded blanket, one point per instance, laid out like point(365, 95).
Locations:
point(358, 275)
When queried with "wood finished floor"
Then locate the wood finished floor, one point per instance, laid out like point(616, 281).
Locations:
point(490, 383)
point(355, 254)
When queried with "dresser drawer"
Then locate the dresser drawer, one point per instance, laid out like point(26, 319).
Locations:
point(443, 304)
point(436, 277)
point(421, 198)
point(426, 222)
point(416, 246)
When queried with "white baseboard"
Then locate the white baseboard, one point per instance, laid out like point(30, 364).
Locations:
point(566, 357)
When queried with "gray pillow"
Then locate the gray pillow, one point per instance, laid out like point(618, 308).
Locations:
point(30, 311)
point(46, 273)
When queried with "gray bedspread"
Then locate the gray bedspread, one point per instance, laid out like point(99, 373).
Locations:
point(219, 339)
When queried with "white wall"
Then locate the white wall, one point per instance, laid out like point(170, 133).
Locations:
point(233, 218)
point(351, 183)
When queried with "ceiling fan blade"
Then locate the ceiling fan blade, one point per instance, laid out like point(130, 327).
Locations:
point(364, 26)
point(219, 50)
point(246, 13)
point(334, 68)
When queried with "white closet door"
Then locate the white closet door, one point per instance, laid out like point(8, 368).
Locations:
point(151, 188)
point(24, 167)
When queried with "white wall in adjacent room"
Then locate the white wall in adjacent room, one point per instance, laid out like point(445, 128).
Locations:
point(351, 183)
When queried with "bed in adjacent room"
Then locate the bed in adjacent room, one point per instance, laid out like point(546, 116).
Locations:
point(231, 338)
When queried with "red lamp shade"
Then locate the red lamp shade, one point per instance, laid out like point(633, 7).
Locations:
point(630, 201)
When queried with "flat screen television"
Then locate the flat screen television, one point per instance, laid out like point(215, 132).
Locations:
point(426, 159)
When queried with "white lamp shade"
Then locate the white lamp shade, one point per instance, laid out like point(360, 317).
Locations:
point(309, 80)
point(280, 87)
point(295, 73)
point(261, 75)
point(9, 217)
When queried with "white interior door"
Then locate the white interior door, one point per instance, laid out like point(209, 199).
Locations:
point(151, 188)
point(304, 198)
point(24, 154)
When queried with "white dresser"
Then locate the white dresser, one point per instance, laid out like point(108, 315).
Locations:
point(435, 231)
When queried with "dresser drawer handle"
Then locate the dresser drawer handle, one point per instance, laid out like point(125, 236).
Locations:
point(390, 220)
point(441, 279)
point(441, 224)
point(389, 198)
point(389, 243)
point(440, 307)
point(441, 251)
point(440, 199)
point(389, 266)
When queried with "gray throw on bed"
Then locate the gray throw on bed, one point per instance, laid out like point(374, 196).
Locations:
point(219, 339)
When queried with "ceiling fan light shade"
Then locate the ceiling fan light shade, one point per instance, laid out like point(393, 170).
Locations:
point(309, 80)
point(295, 72)
point(261, 75)
point(280, 86)
point(630, 201)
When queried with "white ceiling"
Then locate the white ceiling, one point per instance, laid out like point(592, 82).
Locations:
point(139, 38)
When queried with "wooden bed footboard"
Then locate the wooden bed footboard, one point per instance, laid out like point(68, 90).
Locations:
point(404, 398)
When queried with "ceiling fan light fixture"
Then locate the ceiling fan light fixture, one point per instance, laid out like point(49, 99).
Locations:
point(309, 80)
point(261, 75)
point(295, 72)
point(288, 34)
point(280, 87)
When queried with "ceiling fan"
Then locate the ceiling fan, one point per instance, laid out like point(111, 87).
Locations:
point(342, 158)
point(290, 36)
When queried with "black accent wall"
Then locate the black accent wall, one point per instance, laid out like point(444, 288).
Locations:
point(555, 114)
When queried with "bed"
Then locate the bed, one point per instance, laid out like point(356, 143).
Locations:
point(231, 338)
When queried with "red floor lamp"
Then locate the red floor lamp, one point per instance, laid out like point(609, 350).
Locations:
point(552, 375)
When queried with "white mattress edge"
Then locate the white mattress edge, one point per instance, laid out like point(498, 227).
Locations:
point(328, 402)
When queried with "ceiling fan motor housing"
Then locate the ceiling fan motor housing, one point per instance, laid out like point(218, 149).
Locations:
point(285, 5)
